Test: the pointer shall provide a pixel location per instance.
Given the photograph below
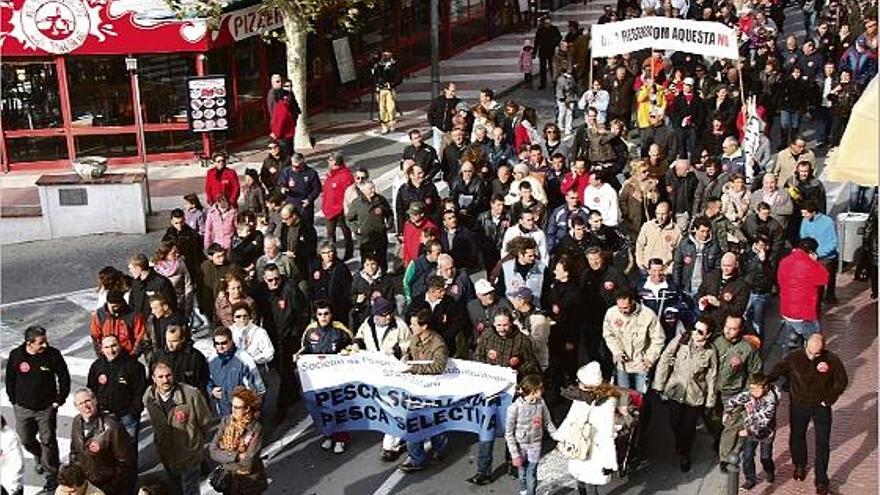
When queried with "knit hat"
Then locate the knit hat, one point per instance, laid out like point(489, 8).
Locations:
point(382, 306)
point(483, 287)
point(590, 374)
point(521, 292)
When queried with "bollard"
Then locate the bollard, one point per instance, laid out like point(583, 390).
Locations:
point(732, 470)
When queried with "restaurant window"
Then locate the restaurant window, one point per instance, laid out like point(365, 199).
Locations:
point(112, 145)
point(173, 141)
point(30, 95)
point(100, 91)
point(163, 81)
point(32, 149)
point(247, 59)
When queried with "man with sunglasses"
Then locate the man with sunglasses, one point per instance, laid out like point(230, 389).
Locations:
point(230, 367)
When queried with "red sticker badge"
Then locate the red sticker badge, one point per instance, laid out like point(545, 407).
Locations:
point(180, 416)
point(727, 296)
point(94, 448)
point(609, 285)
point(102, 379)
point(514, 361)
point(822, 367)
point(24, 367)
point(281, 304)
point(688, 260)
point(317, 275)
point(618, 322)
point(735, 361)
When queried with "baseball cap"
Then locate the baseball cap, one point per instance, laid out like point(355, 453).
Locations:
point(382, 306)
point(416, 207)
point(483, 287)
point(689, 81)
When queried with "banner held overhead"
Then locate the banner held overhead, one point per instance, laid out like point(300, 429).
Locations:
point(712, 39)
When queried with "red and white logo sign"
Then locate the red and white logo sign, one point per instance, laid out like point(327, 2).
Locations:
point(727, 296)
point(822, 367)
point(317, 275)
point(735, 361)
point(56, 26)
point(618, 322)
point(102, 379)
point(514, 361)
point(24, 367)
point(94, 448)
point(281, 304)
point(688, 260)
point(609, 285)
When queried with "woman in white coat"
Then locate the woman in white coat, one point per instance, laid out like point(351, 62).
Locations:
point(594, 404)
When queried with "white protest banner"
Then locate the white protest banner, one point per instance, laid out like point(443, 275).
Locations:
point(369, 391)
point(712, 39)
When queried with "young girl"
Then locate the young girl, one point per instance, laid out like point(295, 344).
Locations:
point(253, 197)
point(527, 418)
point(526, 57)
point(194, 213)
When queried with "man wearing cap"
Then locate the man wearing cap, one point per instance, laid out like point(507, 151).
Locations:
point(301, 186)
point(483, 308)
point(413, 230)
point(503, 345)
point(387, 333)
point(532, 322)
point(687, 117)
point(817, 378)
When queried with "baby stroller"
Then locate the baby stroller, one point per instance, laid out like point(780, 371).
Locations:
point(628, 430)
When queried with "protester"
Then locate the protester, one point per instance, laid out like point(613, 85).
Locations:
point(230, 367)
point(220, 181)
point(236, 445)
point(101, 447)
point(118, 383)
point(527, 419)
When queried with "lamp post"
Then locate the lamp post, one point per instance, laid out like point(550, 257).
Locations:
point(131, 66)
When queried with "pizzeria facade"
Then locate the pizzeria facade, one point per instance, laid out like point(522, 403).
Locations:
point(67, 93)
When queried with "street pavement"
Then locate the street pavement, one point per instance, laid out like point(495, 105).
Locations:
point(51, 283)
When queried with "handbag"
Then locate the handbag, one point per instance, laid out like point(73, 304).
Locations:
point(219, 479)
point(577, 447)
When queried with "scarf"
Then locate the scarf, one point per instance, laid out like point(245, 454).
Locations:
point(233, 439)
point(167, 268)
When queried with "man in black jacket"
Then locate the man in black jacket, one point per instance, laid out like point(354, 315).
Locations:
point(460, 242)
point(285, 314)
point(450, 162)
point(723, 292)
point(547, 38)
point(759, 271)
point(440, 114)
point(189, 244)
point(423, 154)
point(118, 382)
point(37, 383)
point(161, 317)
point(448, 318)
point(599, 282)
point(687, 116)
point(147, 283)
point(188, 364)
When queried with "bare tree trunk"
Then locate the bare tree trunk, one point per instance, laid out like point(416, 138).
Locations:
point(296, 71)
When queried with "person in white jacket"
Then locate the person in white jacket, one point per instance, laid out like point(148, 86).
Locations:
point(387, 333)
point(600, 196)
point(596, 98)
point(11, 460)
point(250, 337)
point(527, 227)
point(593, 406)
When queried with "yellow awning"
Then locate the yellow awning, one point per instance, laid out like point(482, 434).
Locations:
point(857, 157)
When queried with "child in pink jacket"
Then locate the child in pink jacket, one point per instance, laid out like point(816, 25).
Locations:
point(526, 57)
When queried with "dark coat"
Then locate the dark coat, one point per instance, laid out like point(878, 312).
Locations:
point(733, 295)
point(332, 284)
point(441, 111)
point(449, 319)
point(188, 365)
point(685, 256)
point(153, 285)
point(408, 193)
point(106, 455)
point(465, 248)
point(119, 384)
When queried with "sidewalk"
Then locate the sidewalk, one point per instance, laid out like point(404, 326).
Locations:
point(493, 65)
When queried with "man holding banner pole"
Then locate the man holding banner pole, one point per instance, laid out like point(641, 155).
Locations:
point(427, 355)
point(504, 345)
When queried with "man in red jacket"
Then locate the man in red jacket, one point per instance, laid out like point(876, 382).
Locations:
point(282, 125)
point(339, 177)
point(221, 181)
point(801, 277)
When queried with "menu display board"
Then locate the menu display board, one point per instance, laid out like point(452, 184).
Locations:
point(207, 104)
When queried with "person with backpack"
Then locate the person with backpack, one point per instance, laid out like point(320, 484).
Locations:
point(117, 318)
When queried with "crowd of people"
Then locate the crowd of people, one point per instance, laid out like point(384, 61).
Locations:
point(632, 256)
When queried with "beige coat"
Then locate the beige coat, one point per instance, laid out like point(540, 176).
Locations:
point(687, 373)
point(786, 163)
point(638, 336)
point(655, 241)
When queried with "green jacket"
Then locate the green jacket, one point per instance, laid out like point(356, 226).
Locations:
point(736, 363)
point(179, 433)
point(687, 373)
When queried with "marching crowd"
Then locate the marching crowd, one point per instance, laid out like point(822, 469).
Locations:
point(633, 255)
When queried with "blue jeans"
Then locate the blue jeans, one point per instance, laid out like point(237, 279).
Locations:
point(789, 119)
point(417, 454)
point(799, 332)
point(635, 381)
point(755, 312)
point(750, 445)
point(528, 476)
point(185, 481)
